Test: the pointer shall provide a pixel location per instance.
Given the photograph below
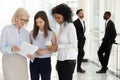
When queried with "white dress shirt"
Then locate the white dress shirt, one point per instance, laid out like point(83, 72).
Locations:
point(83, 24)
point(10, 36)
point(106, 22)
point(67, 42)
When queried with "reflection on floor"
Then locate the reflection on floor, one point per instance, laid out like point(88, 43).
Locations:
point(89, 75)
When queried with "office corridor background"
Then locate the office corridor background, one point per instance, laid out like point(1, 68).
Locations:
point(93, 10)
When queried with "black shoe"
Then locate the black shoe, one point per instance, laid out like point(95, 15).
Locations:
point(101, 71)
point(80, 70)
point(105, 69)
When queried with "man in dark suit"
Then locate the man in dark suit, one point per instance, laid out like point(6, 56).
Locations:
point(80, 29)
point(107, 41)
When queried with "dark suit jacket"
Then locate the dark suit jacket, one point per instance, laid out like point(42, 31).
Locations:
point(79, 30)
point(110, 33)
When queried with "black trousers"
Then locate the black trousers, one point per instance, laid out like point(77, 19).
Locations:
point(81, 53)
point(104, 53)
point(40, 66)
point(65, 69)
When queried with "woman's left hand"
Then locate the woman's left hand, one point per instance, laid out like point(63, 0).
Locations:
point(31, 56)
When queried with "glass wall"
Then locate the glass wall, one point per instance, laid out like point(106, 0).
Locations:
point(94, 29)
point(97, 9)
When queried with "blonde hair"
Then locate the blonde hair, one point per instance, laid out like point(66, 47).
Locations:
point(19, 13)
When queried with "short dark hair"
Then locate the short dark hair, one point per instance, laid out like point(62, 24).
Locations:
point(108, 13)
point(79, 11)
point(64, 10)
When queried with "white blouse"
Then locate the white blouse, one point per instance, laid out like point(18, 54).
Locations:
point(10, 36)
point(67, 42)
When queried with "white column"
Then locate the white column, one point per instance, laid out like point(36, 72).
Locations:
point(117, 16)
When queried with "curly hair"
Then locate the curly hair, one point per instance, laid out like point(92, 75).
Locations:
point(64, 10)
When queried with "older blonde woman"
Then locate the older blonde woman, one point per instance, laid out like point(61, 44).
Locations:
point(14, 65)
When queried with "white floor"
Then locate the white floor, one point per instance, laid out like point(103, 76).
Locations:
point(89, 75)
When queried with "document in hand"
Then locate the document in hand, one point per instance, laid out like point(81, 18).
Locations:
point(27, 48)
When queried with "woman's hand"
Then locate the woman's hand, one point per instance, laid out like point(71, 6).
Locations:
point(53, 48)
point(31, 56)
point(15, 48)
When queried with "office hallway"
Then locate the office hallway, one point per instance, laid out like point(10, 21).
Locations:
point(90, 74)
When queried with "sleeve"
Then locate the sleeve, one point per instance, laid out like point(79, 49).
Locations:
point(3, 43)
point(113, 33)
point(72, 39)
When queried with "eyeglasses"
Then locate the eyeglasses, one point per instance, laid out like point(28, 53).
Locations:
point(25, 20)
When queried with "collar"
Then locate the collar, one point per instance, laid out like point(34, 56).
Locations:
point(107, 21)
point(17, 29)
point(81, 19)
point(40, 32)
point(63, 24)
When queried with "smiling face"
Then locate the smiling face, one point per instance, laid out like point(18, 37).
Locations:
point(21, 21)
point(40, 23)
point(20, 18)
point(59, 18)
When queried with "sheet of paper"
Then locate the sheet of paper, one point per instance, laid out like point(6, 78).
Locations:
point(27, 48)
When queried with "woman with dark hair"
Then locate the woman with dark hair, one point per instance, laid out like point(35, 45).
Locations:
point(67, 42)
point(43, 37)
